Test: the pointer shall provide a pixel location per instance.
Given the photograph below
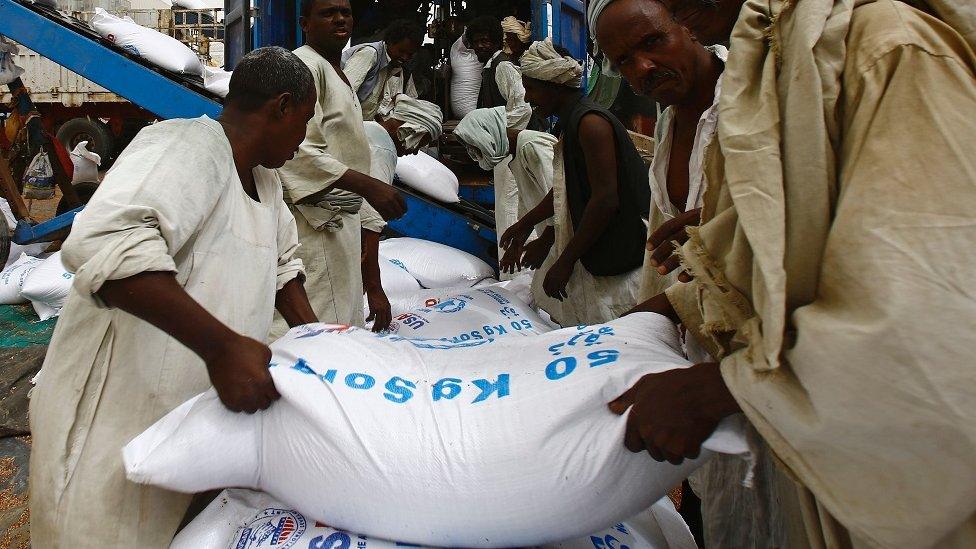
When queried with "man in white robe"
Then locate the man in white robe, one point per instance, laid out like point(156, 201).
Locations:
point(326, 183)
point(181, 257)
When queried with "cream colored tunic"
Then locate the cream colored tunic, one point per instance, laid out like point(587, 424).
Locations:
point(834, 269)
point(335, 141)
point(382, 166)
point(518, 112)
point(389, 85)
point(173, 202)
point(592, 299)
point(532, 168)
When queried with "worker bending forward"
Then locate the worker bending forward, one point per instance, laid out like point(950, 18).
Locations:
point(599, 199)
point(180, 258)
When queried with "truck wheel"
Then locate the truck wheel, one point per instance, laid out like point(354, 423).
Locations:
point(85, 191)
point(100, 139)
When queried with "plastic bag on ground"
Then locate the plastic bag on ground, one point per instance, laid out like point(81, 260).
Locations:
point(465, 78)
point(426, 174)
point(159, 49)
point(85, 164)
point(12, 279)
point(39, 177)
point(48, 286)
point(245, 519)
point(471, 315)
point(435, 265)
point(491, 443)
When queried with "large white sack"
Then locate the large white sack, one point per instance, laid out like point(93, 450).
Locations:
point(465, 78)
point(85, 163)
point(216, 81)
point(157, 48)
point(426, 174)
point(190, 4)
point(12, 279)
point(490, 443)
point(48, 286)
point(395, 278)
point(472, 315)
point(245, 519)
point(435, 265)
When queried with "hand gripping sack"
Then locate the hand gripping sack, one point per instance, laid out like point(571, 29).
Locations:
point(159, 49)
point(244, 519)
point(490, 443)
point(435, 265)
point(472, 315)
point(426, 174)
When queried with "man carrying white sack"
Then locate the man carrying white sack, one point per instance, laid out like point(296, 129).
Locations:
point(413, 124)
point(598, 201)
point(378, 72)
point(831, 271)
point(327, 182)
point(483, 132)
point(180, 259)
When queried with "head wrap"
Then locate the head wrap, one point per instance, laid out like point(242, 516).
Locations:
point(519, 28)
point(483, 133)
point(542, 62)
point(593, 13)
point(419, 118)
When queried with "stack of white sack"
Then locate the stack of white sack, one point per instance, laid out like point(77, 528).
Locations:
point(426, 174)
point(159, 49)
point(47, 286)
point(435, 265)
point(12, 279)
point(471, 314)
point(244, 519)
point(465, 78)
point(491, 443)
point(16, 250)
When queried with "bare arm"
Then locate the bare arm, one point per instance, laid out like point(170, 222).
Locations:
point(384, 198)
point(379, 304)
point(238, 365)
point(292, 302)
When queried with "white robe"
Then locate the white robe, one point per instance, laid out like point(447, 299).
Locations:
point(591, 299)
point(382, 166)
point(173, 202)
point(532, 168)
point(335, 142)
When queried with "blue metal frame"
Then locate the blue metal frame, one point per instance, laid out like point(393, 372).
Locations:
point(102, 65)
point(432, 221)
point(25, 233)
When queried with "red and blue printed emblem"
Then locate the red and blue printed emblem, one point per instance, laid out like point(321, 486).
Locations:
point(272, 529)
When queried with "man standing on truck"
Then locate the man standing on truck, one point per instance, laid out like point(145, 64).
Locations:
point(378, 70)
point(599, 199)
point(180, 259)
point(326, 183)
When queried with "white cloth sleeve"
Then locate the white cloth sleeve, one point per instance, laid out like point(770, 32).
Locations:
point(313, 169)
point(371, 219)
point(359, 65)
point(517, 111)
point(290, 266)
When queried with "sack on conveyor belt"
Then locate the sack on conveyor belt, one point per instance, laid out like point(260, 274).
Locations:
point(245, 519)
point(163, 51)
point(426, 174)
point(217, 81)
point(47, 286)
point(13, 277)
point(435, 265)
point(489, 443)
point(472, 315)
point(465, 78)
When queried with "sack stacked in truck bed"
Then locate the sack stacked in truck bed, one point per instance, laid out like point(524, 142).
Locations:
point(163, 51)
point(465, 78)
point(491, 443)
point(426, 174)
point(244, 519)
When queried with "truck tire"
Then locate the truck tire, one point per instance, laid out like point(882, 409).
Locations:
point(99, 137)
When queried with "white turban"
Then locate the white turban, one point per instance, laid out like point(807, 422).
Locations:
point(593, 13)
point(419, 118)
point(542, 62)
point(519, 28)
point(483, 133)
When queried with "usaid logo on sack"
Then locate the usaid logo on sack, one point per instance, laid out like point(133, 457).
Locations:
point(450, 306)
point(272, 529)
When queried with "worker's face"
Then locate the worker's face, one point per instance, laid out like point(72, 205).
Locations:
point(403, 51)
point(328, 25)
point(539, 95)
point(484, 46)
point(515, 45)
point(285, 131)
point(710, 23)
point(656, 55)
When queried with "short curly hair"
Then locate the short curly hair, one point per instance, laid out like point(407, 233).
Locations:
point(485, 24)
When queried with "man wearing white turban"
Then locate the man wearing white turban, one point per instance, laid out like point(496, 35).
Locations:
point(830, 274)
point(598, 201)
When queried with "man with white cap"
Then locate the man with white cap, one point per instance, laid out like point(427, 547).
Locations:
point(599, 199)
point(830, 273)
